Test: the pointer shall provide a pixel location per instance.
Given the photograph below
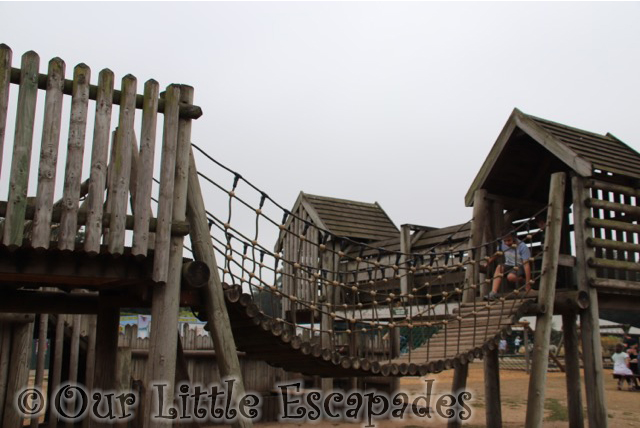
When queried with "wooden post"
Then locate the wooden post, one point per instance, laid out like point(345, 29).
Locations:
point(5, 355)
point(141, 209)
point(589, 318)
point(527, 356)
point(75, 154)
point(405, 249)
point(493, 405)
point(99, 159)
point(166, 297)
point(19, 373)
point(48, 154)
point(122, 167)
point(74, 358)
point(23, 141)
point(42, 351)
point(106, 352)
point(5, 83)
point(572, 370)
point(477, 231)
point(538, 377)
point(214, 302)
point(90, 368)
point(55, 371)
point(460, 373)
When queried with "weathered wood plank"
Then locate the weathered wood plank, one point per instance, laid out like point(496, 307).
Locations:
point(611, 187)
point(122, 166)
point(572, 364)
point(99, 159)
point(22, 144)
point(75, 153)
point(142, 211)
point(48, 155)
point(167, 177)
point(5, 83)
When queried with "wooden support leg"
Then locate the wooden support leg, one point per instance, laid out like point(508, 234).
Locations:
point(42, 351)
point(493, 407)
point(214, 303)
point(19, 373)
point(106, 351)
point(538, 377)
point(5, 355)
point(460, 373)
point(74, 357)
point(91, 361)
point(55, 372)
point(572, 367)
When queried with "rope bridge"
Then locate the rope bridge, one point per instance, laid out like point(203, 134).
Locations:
point(307, 300)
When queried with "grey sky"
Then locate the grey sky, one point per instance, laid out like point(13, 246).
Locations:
point(391, 102)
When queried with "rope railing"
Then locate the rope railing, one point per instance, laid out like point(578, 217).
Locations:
point(348, 292)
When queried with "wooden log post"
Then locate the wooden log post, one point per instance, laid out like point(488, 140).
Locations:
point(572, 369)
point(75, 154)
point(589, 318)
point(18, 379)
point(121, 168)
point(48, 155)
point(546, 295)
point(166, 296)
point(90, 368)
point(5, 83)
point(493, 405)
point(478, 223)
point(74, 358)
point(23, 141)
point(55, 371)
point(328, 264)
point(42, 352)
point(461, 371)
point(99, 159)
point(5, 356)
point(108, 320)
point(214, 302)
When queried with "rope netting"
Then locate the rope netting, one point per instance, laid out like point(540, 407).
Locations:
point(356, 299)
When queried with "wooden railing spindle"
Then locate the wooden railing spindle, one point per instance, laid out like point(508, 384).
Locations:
point(5, 83)
point(99, 155)
point(48, 154)
point(122, 166)
point(23, 141)
point(75, 153)
point(142, 210)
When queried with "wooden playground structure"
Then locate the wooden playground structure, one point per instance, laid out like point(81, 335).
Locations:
point(330, 288)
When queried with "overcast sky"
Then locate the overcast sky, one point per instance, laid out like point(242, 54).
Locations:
point(391, 102)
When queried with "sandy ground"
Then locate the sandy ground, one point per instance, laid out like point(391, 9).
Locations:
point(623, 407)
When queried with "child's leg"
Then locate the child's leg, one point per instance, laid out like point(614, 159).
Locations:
point(497, 278)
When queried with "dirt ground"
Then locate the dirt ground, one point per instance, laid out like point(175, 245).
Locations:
point(623, 407)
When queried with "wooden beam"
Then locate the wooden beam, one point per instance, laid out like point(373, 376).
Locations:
point(21, 341)
point(459, 384)
point(214, 301)
point(187, 111)
point(546, 294)
point(478, 225)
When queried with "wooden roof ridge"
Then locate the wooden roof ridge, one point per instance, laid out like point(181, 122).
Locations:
point(563, 147)
point(339, 200)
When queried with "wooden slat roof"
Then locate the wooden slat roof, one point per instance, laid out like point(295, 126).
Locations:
point(605, 152)
point(358, 220)
point(529, 149)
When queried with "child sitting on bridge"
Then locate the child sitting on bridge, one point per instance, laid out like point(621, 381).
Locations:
point(515, 265)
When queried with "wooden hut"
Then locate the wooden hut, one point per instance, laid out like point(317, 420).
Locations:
point(597, 232)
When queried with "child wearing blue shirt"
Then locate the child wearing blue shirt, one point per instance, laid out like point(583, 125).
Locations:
point(516, 265)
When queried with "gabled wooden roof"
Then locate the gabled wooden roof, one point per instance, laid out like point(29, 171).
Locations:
point(352, 219)
point(529, 149)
